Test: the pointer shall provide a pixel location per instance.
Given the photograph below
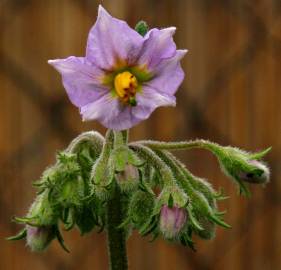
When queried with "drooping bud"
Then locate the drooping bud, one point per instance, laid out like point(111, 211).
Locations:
point(41, 212)
point(102, 173)
point(38, 238)
point(128, 179)
point(242, 166)
point(260, 176)
point(172, 221)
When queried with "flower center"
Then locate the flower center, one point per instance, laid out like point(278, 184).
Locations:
point(126, 85)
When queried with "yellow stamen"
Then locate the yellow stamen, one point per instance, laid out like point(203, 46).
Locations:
point(125, 85)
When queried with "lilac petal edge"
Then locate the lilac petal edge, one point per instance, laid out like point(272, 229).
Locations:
point(111, 40)
point(169, 74)
point(81, 81)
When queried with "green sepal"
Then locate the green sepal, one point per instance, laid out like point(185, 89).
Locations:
point(86, 220)
point(69, 219)
point(155, 234)
point(244, 190)
point(143, 185)
point(122, 156)
point(209, 228)
point(172, 195)
point(103, 170)
point(19, 236)
point(24, 220)
point(261, 154)
point(149, 226)
point(60, 239)
point(171, 201)
point(140, 209)
point(220, 222)
point(219, 196)
point(193, 220)
point(142, 28)
point(187, 241)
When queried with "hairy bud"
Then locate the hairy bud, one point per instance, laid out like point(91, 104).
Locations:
point(38, 238)
point(259, 176)
point(243, 166)
point(172, 221)
point(128, 179)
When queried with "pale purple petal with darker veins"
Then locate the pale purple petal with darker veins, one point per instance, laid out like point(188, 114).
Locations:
point(110, 112)
point(158, 45)
point(169, 74)
point(81, 80)
point(180, 218)
point(38, 238)
point(111, 39)
point(172, 220)
point(149, 99)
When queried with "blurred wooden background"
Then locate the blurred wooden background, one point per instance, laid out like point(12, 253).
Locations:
point(231, 95)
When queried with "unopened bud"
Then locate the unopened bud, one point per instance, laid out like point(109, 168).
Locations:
point(258, 176)
point(172, 221)
point(128, 178)
point(142, 28)
point(38, 238)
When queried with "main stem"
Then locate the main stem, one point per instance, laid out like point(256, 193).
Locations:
point(116, 237)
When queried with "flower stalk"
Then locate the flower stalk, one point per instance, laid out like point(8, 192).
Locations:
point(116, 236)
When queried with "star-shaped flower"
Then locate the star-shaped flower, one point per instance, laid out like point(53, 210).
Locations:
point(124, 76)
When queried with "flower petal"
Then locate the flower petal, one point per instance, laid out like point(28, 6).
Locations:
point(169, 74)
point(81, 80)
point(148, 100)
point(158, 45)
point(111, 41)
point(110, 112)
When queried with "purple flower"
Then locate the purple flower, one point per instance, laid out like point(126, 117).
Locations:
point(38, 238)
point(172, 220)
point(124, 76)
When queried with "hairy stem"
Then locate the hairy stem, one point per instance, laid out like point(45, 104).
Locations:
point(125, 134)
point(179, 145)
point(116, 236)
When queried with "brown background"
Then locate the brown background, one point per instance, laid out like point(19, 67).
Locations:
point(231, 95)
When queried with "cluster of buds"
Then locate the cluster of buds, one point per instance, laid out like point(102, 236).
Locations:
point(161, 196)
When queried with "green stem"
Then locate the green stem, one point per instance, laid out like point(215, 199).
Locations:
point(116, 237)
point(179, 145)
point(125, 134)
point(147, 154)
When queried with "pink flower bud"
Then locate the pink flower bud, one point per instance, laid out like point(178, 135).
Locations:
point(172, 220)
point(38, 238)
point(128, 179)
